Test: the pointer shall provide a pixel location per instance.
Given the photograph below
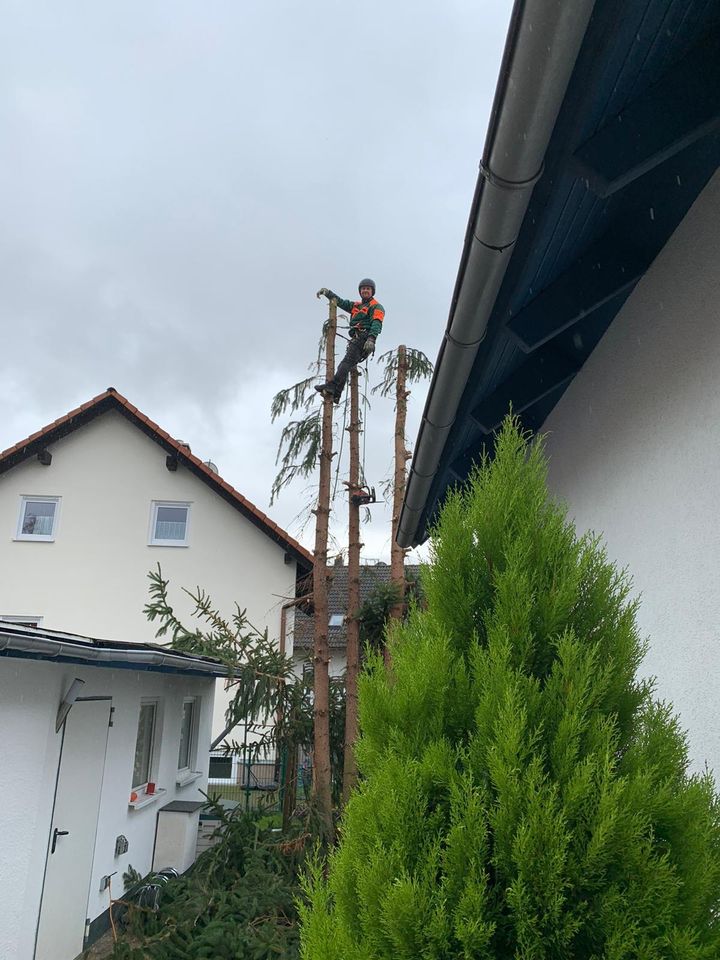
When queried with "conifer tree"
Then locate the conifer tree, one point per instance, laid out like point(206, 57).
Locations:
point(352, 625)
point(305, 444)
point(322, 772)
point(403, 367)
point(525, 797)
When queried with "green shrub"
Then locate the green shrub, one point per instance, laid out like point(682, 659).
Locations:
point(524, 795)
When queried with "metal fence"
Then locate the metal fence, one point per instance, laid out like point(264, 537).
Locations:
point(245, 778)
point(256, 781)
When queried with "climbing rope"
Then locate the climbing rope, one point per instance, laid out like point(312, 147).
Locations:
point(363, 478)
point(342, 441)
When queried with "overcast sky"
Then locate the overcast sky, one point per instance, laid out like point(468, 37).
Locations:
point(180, 177)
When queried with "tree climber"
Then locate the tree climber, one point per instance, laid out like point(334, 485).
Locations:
point(366, 318)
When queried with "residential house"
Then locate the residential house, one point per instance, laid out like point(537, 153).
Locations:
point(587, 298)
point(371, 577)
point(104, 750)
point(92, 502)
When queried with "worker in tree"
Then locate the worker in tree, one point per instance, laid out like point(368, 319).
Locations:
point(366, 318)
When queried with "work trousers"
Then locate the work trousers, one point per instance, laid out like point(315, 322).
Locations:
point(353, 355)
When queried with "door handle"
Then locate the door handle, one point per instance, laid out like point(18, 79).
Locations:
point(57, 833)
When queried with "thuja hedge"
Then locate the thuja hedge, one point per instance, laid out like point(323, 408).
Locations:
point(524, 794)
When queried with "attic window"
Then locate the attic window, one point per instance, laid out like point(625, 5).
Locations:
point(169, 523)
point(20, 620)
point(336, 620)
point(38, 518)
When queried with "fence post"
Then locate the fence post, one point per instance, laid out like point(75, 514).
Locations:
point(247, 771)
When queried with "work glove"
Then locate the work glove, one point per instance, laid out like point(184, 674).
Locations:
point(369, 347)
point(324, 292)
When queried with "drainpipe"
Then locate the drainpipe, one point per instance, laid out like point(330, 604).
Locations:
point(282, 645)
point(283, 619)
point(540, 52)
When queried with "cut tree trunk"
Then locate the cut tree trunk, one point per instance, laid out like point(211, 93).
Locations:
point(397, 553)
point(321, 654)
point(352, 625)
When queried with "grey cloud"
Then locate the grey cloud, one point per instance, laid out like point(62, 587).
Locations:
point(180, 177)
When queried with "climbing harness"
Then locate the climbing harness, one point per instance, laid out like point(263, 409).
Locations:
point(362, 495)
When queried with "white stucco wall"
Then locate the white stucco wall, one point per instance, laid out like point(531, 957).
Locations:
point(93, 578)
point(634, 449)
point(336, 666)
point(30, 692)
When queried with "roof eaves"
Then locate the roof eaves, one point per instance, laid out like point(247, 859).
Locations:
point(543, 42)
point(35, 643)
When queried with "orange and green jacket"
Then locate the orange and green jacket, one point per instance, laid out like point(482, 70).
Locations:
point(364, 317)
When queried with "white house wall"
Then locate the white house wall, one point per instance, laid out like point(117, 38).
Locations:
point(336, 666)
point(635, 451)
point(93, 578)
point(30, 692)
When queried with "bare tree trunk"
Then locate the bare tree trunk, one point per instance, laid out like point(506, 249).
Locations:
point(397, 553)
point(352, 626)
point(321, 657)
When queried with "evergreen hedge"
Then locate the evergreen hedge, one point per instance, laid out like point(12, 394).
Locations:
point(525, 796)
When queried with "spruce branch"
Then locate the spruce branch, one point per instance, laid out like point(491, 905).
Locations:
point(418, 367)
point(274, 704)
point(293, 398)
point(257, 671)
point(298, 451)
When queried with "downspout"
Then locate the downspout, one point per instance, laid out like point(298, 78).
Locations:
point(543, 42)
point(283, 619)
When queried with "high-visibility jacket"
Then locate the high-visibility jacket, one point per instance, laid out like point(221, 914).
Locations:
point(365, 317)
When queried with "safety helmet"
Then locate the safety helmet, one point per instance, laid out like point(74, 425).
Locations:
point(367, 282)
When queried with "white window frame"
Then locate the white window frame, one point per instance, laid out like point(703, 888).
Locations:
point(192, 745)
point(233, 758)
point(154, 741)
point(155, 542)
point(338, 617)
point(25, 499)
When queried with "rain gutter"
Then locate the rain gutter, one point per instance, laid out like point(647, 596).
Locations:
point(543, 42)
point(44, 648)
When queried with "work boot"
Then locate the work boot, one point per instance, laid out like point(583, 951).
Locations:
point(328, 389)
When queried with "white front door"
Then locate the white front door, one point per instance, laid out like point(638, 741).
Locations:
point(61, 927)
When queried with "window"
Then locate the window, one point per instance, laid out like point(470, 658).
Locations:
point(38, 518)
point(28, 621)
point(221, 768)
point(169, 524)
point(186, 753)
point(142, 769)
point(336, 620)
